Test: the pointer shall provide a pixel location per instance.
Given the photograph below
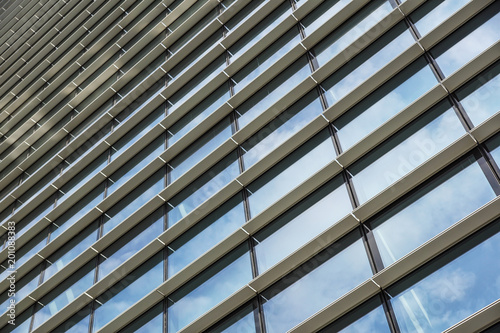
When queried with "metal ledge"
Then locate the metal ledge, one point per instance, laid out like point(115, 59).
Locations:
point(339, 307)
point(482, 319)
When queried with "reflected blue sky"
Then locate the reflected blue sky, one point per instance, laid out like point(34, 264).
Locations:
point(433, 17)
point(422, 216)
point(320, 211)
point(483, 101)
point(384, 167)
point(221, 223)
point(469, 46)
point(322, 14)
point(135, 286)
point(202, 189)
point(213, 290)
point(344, 84)
point(280, 129)
point(383, 105)
point(348, 33)
point(451, 293)
point(307, 160)
point(316, 289)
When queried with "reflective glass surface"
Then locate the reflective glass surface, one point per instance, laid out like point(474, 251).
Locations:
point(493, 146)
point(433, 13)
point(202, 188)
point(259, 31)
point(209, 288)
point(281, 128)
point(368, 317)
point(392, 97)
point(199, 149)
point(322, 14)
point(273, 91)
point(431, 209)
point(451, 287)
point(64, 293)
point(198, 114)
point(479, 97)
point(302, 223)
point(290, 172)
point(131, 243)
point(265, 59)
point(205, 234)
point(136, 285)
point(368, 62)
point(405, 151)
point(352, 29)
point(315, 284)
point(243, 320)
point(132, 201)
point(469, 40)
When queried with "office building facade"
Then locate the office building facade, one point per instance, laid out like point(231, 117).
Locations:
point(250, 166)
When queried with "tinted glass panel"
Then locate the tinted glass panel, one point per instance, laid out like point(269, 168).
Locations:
point(315, 284)
point(302, 223)
point(405, 151)
point(433, 208)
point(469, 40)
point(451, 287)
point(290, 172)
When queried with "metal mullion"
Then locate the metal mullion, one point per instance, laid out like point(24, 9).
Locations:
point(486, 162)
point(483, 159)
point(390, 315)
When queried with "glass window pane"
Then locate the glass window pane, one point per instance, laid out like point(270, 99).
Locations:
point(265, 59)
point(368, 62)
point(200, 80)
point(131, 242)
point(302, 223)
point(349, 31)
point(385, 102)
point(431, 209)
point(479, 97)
point(24, 286)
point(132, 288)
point(493, 146)
point(290, 172)
point(82, 177)
point(137, 132)
point(70, 250)
point(368, 317)
point(315, 284)
point(78, 323)
point(64, 293)
point(135, 164)
point(23, 322)
point(209, 288)
point(199, 149)
point(242, 14)
point(273, 91)
point(150, 322)
point(405, 151)
point(451, 287)
point(433, 13)
point(243, 320)
point(469, 40)
point(77, 211)
point(202, 188)
point(205, 234)
point(257, 32)
point(281, 128)
point(198, 114)
point(134, 200)
point(322, 14)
